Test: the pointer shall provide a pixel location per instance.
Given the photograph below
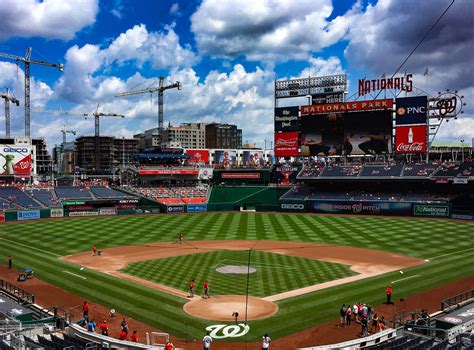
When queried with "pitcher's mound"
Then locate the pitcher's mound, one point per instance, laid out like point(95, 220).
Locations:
point(221, 307)
point(236, 269)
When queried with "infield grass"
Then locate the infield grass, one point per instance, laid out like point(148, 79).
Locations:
point(447, 244)
point(275, 273)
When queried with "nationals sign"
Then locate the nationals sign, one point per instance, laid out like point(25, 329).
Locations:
point(410, 139)
point(355, 106)
point(286, 144)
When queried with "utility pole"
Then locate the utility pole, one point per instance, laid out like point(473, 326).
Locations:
point(160, 89)
point(7, 99)
point(27, 61)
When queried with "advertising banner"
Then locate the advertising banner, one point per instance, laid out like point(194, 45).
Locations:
point(286, 119)
point(28, 215)
point(56, 213)
point(107, 211)
point(196, 208)
point(286, 173)
point(240, 176)
point(73, 202)
point(319, 99)
point(355, 106)
point(15, 160)
point(226, 158)
point(410, 139)
point(83, 213)
point(460, 181)
point(286, 144)
point(346, 133)
point(199, 156)
point(293, 206)
point(411, 110)
point(175, 208)
point(462, 216)
point(439, 211)
point(128, 201)
point(205, 173)
point(360, 207)
point(252, 158)
point(168, 172)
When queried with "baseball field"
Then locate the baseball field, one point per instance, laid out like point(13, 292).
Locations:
point(283, 255)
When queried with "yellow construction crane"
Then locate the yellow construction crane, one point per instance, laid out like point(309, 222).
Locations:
point(7, 99)
point(27, 61)
point(160, 89)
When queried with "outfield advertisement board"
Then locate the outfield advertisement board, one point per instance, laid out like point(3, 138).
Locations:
point(175, 208)
point(107, 211)
point(440, 211)
point(196, 208)
point(28, 215)
point(293, 206)
point(83, 213)
point(360, 207)
point(56, 213)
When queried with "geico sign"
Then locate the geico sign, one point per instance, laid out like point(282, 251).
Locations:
point(410, 147)
point(292, 206)
point(175, 209)
point(15, 149)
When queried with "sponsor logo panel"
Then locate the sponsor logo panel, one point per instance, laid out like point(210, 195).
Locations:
point(410, 139)
point(57, 213)
point(240, 175)
point(198, 156)
point(175, 208)
point(196, 208)
point(15, 161)
point(28, 215)
point(83, 213)
point(286, 119)
point(431, 210)
point(286, 144)
point(411, 110)
point(107, 211)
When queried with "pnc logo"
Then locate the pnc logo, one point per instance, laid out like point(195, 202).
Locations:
point(401, 111)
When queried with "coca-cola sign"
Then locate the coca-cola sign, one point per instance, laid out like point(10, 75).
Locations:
point(410, 139)
point(286, 144)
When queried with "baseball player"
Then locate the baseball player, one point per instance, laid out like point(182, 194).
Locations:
point(206, 289)
point(191, 288)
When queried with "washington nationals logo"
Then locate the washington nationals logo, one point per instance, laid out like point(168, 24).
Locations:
point(221, 331)
point(446, 106)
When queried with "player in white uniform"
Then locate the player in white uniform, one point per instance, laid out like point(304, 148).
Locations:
point(206, 341)
point(266, 342)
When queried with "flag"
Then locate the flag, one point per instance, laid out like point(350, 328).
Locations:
point(426, 72)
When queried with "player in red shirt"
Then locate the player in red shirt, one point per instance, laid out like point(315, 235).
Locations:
point(94, 250)
point(85, 309)
point(206, 289)
point(104, 328)
point(123, 335)
point(169, 346)
point(388, 291)
point(134, 337)
point(191, 288)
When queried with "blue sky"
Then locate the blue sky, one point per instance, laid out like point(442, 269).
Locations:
point(226, 54)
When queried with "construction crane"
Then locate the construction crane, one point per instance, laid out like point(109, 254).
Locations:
point(160, 89)
point(27, 61)
point(7, 99)
point(66, 131)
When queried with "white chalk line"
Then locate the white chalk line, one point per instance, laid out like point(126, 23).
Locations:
point(447, 254)
point(31, 247)
point(406, 278)
point(70, 273)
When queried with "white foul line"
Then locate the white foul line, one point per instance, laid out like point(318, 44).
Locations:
point(459, 251)
point(402, 279)
point(75, 275)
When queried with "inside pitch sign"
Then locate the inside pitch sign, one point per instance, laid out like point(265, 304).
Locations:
point(410, 139)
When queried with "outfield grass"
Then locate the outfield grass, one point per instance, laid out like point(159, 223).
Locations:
point(275, 273)
point(447, 244)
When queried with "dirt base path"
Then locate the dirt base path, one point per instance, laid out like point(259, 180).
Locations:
point(366, 262)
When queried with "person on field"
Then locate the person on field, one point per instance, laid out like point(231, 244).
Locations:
point(206, 289)
point(191, 288)
point(343, 312)
point(10, 261)
point(355, 311)
point(388, 291)
point(266, 342)
point(235, 315)
point(85, 309)
point(134, 337)
point(124, 326)
point(94, 250)
point(123, 335)
point(104, 328)
point(180, 238)
point(375, 324)
point(169, 346)
point(206, 341)
point(348, 315)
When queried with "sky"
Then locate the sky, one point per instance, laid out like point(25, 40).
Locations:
point(225, 53)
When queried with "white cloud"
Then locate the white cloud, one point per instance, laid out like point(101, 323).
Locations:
point(320, 67)
point(267, 30)
point(52, 19)
point(174, 10)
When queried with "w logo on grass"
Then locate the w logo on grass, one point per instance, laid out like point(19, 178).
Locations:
point(221, 331)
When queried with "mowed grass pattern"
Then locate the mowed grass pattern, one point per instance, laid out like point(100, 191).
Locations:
point(38, 245)
point(275, 273)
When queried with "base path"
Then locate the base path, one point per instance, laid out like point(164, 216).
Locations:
point(366, 262)
point(222, 307)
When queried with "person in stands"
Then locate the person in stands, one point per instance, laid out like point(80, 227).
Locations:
point(104, 328)
point(123, 335)
point(169, 346)
point(134, 337)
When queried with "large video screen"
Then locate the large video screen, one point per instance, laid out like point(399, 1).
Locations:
point(355, 133)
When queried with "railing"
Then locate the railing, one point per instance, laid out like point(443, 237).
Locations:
point(457, 299)
point(18, 294)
